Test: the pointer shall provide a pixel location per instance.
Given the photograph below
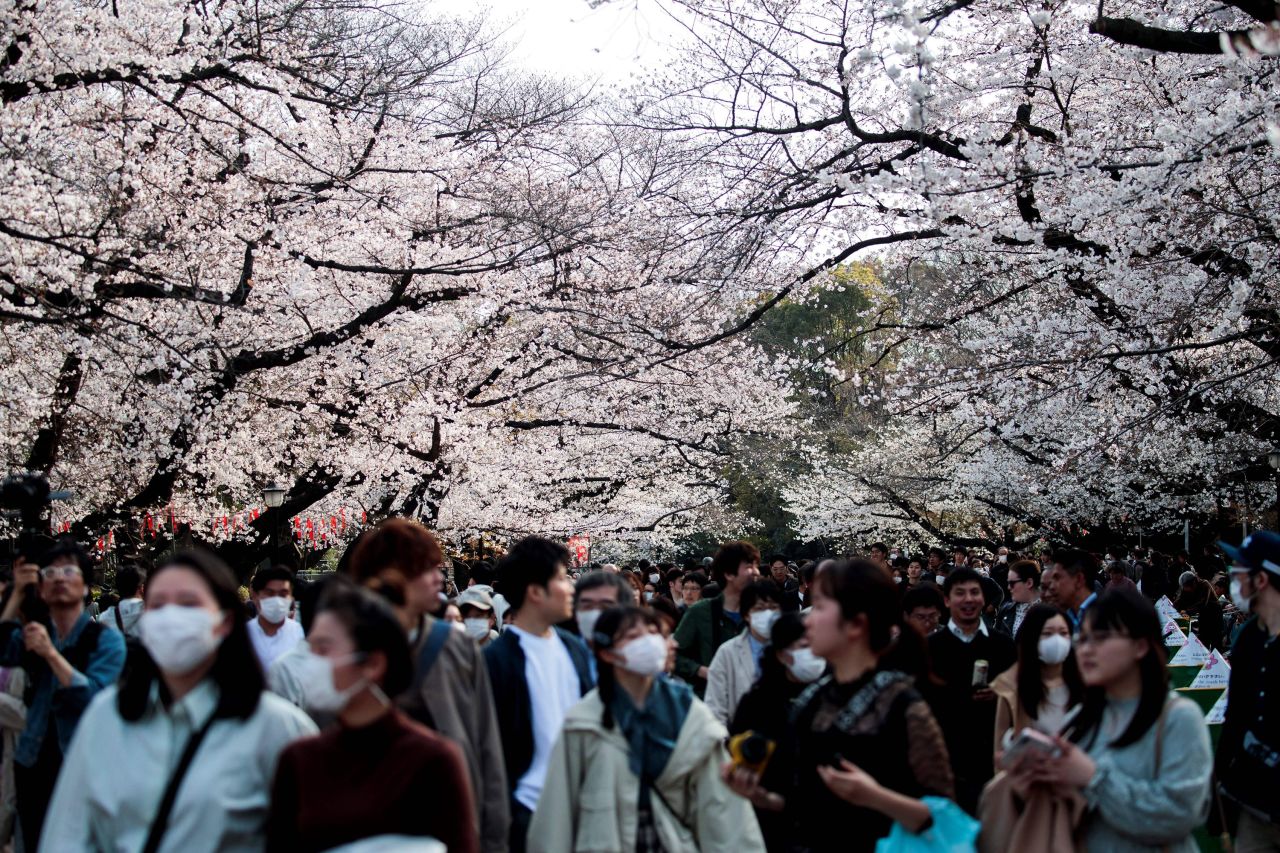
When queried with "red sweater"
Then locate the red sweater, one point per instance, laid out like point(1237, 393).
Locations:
point(391, 777)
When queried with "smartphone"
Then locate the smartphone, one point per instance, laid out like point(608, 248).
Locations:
point(1029, 741)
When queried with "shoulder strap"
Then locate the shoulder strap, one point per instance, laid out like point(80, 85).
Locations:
point(430, 651)
point(84, 646)
point(119, 620)
point(160, 822)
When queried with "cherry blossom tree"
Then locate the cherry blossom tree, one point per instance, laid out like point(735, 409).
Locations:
point(1096, 186)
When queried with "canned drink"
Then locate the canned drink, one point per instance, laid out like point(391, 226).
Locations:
point(980, 669)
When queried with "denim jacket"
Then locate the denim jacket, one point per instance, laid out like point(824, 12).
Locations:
point(51, 699)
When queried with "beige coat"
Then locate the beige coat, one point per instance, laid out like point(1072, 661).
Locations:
point(589, 801)
point(730, 676)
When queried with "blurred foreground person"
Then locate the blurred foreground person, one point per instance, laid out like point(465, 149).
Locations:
point(377, 773)
point(180, 756)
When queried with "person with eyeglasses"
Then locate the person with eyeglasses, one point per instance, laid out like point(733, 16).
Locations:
point(68, 658)
point(1024, 592)
point(1248, 759)
point(1137, 754)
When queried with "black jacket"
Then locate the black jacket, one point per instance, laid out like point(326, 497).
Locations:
point(1252, 714)
point(505, 660)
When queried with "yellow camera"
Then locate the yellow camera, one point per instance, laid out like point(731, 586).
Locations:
point(751, 751)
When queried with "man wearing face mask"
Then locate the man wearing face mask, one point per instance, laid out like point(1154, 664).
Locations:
point(478, 622)
point(1248, 759)
point(736, 664)
point(67, 660)
point(272, 631)
point(595, 593)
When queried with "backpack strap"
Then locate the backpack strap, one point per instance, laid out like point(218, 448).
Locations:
point(119, 619)
point(431, 649)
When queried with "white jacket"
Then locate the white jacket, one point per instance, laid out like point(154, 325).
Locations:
point(730, 676)
point(590, 797)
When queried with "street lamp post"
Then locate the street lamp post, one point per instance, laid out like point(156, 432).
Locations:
point(1273, 459)
point(273, 497)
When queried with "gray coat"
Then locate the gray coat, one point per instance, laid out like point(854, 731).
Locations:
point(1135, 806)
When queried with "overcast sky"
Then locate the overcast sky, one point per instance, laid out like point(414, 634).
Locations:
point(610, 42)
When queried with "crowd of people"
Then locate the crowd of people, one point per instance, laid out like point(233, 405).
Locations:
point(996, 702)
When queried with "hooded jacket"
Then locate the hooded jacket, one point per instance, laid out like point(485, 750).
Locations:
point(589, 803)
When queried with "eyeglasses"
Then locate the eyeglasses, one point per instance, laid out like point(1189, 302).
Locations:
point(1097, 638)
point(59, 572)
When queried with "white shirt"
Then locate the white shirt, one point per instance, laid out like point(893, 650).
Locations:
point(270, 648)
point(130, 611)
point(115, 773)
point(968, 638)
point(553, 690)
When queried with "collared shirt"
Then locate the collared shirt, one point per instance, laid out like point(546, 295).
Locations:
point(968, 638)
point(1020, 612)
point(51, 702)
point(116, 771)
point(757, 650)
point(1077, 616)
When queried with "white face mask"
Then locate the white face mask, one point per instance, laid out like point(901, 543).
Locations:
point(655, 577)
point(648, 596)
point(939, 579)
point(806, 666)
point(762, 622)
point(1003, 558)
point(587, 623)
point(1054, 649)
point(275, 608)
point(645, 655)
point(476, 629)
point(178, 638)
point(1238, 598)
point(315, 674)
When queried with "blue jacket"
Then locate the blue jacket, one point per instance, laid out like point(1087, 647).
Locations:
point(505, 660)
point(48, 698)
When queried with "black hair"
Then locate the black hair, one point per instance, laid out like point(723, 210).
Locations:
point(964, 574)
point(309, 596)
point(807, 572)
point(862, 588)
point(1027, 570)
point(666, 607)
point(786, 631)
point(129, 579)
point(923, 595)
point(777, 558)
point(757, 592)
point(938, 552)
point(373, 627)
point(65, 546)
point(1128, 612)
point(594, 580)
point(695, 577)
point(612, 623)
point(235, 670)
point(274, 573)
point(960, 549)
point(533, 561)
point(881, 547)
point(730, 557)
point(1031, 690)
point(1074, 562)
point(673, 576)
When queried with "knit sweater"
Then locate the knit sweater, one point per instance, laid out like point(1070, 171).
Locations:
point(391, 777)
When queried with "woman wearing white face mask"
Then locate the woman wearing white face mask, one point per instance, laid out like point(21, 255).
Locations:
point(787, 667)
point(1042, 688)
point(736, 664)
point(377, 773)
point(180, 755)
point(636, 767)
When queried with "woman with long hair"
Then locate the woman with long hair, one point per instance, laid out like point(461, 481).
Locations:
point(1041, 689)
point(377, 773)
point(866, 746)
point(180, 756)
point(637, 765)
point(787, 667)
point(1139, 754)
